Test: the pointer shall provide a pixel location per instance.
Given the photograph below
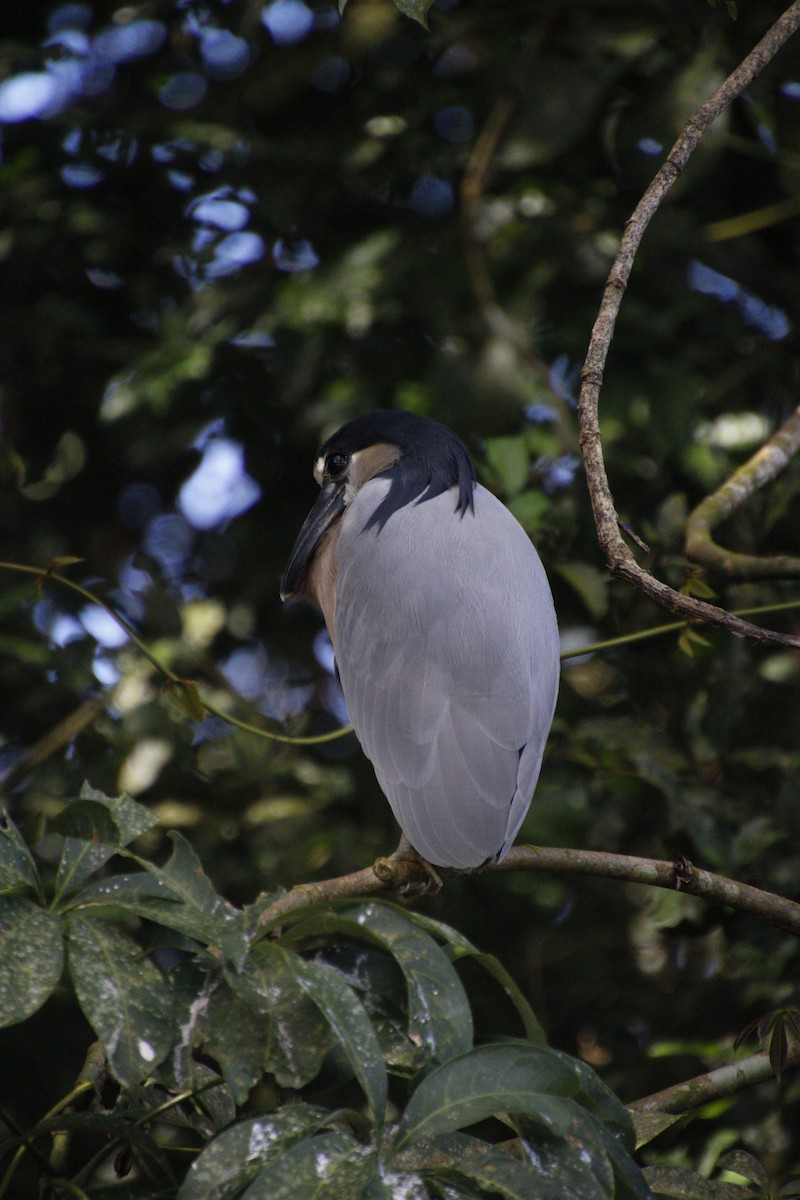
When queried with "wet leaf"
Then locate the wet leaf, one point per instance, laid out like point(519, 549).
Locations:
point(498, 1174)
point(331, 1166)
point(201, 913)
point(294, 1033)
point(238, 1154)
point(345, 1014)
point(232, 1033)
point(439, 1016)
point(123, 996)
point(511, 1077)
point(17, 868)
point(95, 827)
point(459, 946)
point(31, 957)
point(87, 820)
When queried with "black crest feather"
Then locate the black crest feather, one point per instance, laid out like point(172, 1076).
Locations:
point(432, 461)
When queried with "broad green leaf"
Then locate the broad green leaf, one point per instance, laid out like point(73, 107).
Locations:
point(330, 1166)
point(201, 914)
point(459, 947)
point(439, 1016)
point(131, 818)
point(89, 821)
point(294, 1036)
point(569, 1145)
point(377, 978)
point(511, 1077)
point(218, 1023)
point(237, 1155)
point(123, 996)
point(496, 1173)
point(80, 858)
point(95, 827)
point(31, 957)
point(345, 1014)
point(17, 869)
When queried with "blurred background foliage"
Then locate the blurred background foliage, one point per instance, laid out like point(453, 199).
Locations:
point(229, 227)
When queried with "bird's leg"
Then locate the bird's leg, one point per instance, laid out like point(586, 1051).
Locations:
point(385, 870)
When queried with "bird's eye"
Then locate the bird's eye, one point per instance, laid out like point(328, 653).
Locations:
point(336, 465)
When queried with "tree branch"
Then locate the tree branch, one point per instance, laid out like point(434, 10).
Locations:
point(759, 470)
point(714, 1085)
point(620, 559)
point(396, 874)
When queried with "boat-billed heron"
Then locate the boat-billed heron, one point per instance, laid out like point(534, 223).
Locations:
point(443, 629)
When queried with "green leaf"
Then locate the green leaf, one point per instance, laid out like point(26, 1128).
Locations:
point(530, 508)
point(31, 957)
point(183, 695)
point(294, 1038)
point(679, 1183)
point(123, 996)
point(416, 9)
point(439, 1016)
point(590, 585)
point(512, 1077)
point(331, 1166)
point(87, 820)
point(17, 868)
point(569, 1145)
point(95, 827)
point(131, 818)
point(509, 461)
point(459, 947)
point(649, 1123)
point(201, 914)
point(213, 1020)
point(238, 1154)
point(345, 1014)
point(498, 1174)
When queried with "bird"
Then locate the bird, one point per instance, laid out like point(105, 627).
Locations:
point(443, 628)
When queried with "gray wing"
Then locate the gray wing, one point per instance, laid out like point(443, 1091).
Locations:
point(447, 647)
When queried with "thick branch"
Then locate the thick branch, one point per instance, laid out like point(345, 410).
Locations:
point(620, 559)
point(773, 457)
point(394, 874)
point(714, 1085)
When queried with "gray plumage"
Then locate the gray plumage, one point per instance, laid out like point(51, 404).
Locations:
point(443, 628)
point(447, 647)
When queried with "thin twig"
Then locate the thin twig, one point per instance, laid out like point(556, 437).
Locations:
point(619, 557)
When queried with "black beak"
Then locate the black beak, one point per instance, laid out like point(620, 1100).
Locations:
point(329, 506)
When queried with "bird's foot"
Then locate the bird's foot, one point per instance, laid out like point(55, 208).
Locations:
point(408, 872)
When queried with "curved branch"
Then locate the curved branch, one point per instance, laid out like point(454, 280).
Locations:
point(759, 470)
point(398, 874)
point(620, 559)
